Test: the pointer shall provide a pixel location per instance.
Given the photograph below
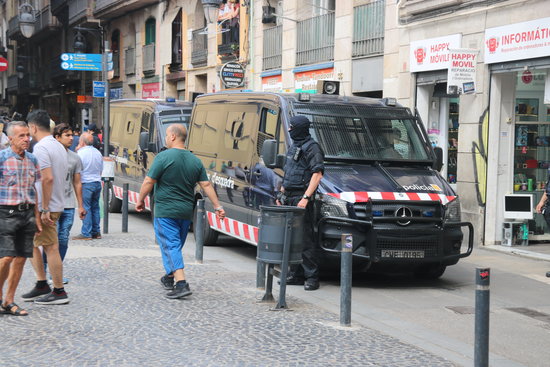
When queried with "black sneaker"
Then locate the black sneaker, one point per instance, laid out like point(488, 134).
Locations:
point(311, 284)
point(36, 292)
point(53, 299)
point(180, 290)
point(167, 282)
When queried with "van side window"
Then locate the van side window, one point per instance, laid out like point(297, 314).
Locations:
point(268, 127)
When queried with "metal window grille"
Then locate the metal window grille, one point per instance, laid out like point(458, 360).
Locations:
point(368, 29)
point(273, 48)
point(149, 58)
point(315, 40)
point(199, 55)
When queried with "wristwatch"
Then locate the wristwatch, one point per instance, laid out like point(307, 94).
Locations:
point(306, 197)
point(218, 208)
point(44, 210)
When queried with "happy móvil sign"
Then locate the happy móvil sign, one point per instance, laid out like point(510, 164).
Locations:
point(232, 75)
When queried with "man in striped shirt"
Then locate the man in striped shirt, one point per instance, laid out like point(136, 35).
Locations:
point(19, 171)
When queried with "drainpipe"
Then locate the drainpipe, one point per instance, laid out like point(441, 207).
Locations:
point(251, 34)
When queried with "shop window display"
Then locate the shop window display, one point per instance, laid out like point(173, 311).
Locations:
point(531, 142)
point(453, 141)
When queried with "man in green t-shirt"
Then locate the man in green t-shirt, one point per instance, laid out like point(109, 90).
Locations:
point(174, 174)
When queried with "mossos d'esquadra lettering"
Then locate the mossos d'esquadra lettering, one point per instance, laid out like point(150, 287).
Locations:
point(222, 181)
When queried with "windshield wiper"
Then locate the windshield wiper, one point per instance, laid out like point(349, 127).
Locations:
point(389, 176)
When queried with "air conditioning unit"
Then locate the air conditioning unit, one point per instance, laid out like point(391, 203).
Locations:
point(268, 14)
point(328, 87)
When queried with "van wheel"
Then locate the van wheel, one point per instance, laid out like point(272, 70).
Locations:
point(209, 235)
point(115, 204)
point(430, 271)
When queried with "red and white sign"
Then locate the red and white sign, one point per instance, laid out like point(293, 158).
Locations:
point(3, 64)
point(461, 75)
point(272, 83)
point(433, 53)
point(150, 90)
point(306, 82)
point(518, 41)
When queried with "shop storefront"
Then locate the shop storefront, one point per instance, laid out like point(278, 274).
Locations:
point(439, 110)
point(519, 61)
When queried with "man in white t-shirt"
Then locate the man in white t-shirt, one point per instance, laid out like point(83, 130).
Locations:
point(52, 159)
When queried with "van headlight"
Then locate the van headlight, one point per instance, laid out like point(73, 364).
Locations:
point(333, 207)
point(452, 211)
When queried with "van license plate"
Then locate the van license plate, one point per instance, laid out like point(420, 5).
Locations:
point(403, 254)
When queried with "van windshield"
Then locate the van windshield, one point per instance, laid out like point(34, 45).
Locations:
point(365, 133)
point(166, 121)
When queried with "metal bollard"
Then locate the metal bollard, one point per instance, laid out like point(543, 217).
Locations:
point(198, 228)
point(346, 257)
point(481, 351)
point(260, 274)
point(106, 186)
point(125, 208)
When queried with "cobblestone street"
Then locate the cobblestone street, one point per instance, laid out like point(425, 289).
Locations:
point(118, 316)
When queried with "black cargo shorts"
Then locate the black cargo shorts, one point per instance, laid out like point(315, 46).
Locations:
point(17, 229)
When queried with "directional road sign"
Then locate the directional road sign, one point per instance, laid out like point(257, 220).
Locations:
point(85, 62)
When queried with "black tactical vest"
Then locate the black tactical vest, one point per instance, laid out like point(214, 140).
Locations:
point(297, 172)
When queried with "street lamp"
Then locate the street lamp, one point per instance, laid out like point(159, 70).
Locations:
point(26, 20)
point(79, 43)
point(211, 10)
point(20, 69)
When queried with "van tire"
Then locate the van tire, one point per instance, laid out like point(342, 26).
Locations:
point(209, 235)
point(430, 271)
point(115, 204)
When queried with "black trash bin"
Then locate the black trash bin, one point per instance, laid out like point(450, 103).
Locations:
point(273, 222)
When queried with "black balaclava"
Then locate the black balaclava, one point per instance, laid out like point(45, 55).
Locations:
point(299, 128)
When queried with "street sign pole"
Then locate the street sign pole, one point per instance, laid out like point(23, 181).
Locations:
point(106, 183)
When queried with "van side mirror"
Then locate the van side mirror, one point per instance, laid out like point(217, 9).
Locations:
point(269, 153)
point(144, 141)
point(438, 163)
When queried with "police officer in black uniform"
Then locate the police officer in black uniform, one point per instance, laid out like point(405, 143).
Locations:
point(303, 171)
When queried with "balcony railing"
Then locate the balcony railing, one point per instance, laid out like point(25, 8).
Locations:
point(13, 83)
point(78, 9)
point(45, 21)
point(13, 28)
point(130, 61)
point(149, 59)
point(199, 53)
point(315, 40)
point(273, 48)
point(368, 29)
point(116, 64)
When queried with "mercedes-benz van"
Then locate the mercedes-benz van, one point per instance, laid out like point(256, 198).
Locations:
point(381, 181)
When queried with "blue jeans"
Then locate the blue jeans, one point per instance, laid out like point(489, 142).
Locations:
point(171, 234)
point(64, 225)
point(91, 192)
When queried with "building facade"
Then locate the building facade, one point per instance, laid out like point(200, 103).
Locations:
point(493, 130)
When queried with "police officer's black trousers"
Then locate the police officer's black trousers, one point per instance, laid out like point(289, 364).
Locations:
point(310, 254)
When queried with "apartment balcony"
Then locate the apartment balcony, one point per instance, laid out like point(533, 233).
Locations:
point(315, 40)
point(368, 29)
point(273, 48)
point(130, 61)
point(14, 32)
point(109, 9)
point(79, 10)
point(148, 55)
point(46, 24)
point(199, 53)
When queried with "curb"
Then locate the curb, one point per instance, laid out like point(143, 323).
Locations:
point(517, 251)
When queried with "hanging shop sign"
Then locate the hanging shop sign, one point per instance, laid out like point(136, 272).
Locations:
point(272, 83)
point(461, 74)
point(433, 53)
point(518, 41)
point(306, 81)
point(232, 75)
point(150, 90)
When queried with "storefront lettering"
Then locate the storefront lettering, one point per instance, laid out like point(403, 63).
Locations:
point(526, 36)
point(439, 47)
point(439, 59)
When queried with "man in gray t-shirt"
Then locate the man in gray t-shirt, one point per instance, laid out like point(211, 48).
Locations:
point(52, 159)
point(63, 133)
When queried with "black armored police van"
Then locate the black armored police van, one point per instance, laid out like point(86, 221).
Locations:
point(137, 133)
point(381, 181)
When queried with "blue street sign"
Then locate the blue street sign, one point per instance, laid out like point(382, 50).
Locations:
point(99, 89)
point(84, 62)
